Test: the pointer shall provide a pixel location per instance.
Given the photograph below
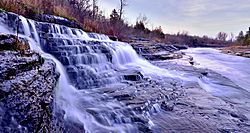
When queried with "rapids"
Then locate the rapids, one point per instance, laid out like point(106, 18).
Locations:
point(98, 59)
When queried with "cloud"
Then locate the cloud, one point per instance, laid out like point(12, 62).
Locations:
point(196, 8)
point(197, 16)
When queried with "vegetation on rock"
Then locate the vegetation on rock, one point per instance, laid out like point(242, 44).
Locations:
point(11, 42)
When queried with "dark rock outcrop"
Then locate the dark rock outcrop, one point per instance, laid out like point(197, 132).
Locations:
point(26, 89)
point(56, 20)
point(113, 38)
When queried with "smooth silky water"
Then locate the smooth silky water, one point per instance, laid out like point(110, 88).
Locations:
point(75, 102)
point(235, 68)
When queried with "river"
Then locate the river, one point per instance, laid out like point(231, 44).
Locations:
point(217, 103)
point(235, 68)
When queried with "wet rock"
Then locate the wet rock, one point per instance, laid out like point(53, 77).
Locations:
point(132, 77)
point(241, 117)
point(123, 97)
point(56, 20)
point(180, 47)
point(113, 38)
point(26, 89)
point(162, 56)
point(10, 42)
point(74, 127)
point(143, 128)
point(204, 73)
point(80, 55)
point(191, 62)
point(167, 106)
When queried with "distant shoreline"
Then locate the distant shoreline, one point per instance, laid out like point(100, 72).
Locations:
point(243, 51)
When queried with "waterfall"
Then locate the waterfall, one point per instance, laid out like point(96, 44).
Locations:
point(86, 61)
point(77, 50)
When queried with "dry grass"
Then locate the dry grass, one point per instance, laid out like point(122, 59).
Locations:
point(28, 8)
point(100, 24)
point(62, 8)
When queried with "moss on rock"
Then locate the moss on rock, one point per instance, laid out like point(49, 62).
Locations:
point(11, 42)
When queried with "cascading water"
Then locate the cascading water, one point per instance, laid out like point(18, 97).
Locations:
point(88, 61)
point(91, 60)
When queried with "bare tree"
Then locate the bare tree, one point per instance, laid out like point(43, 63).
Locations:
point(81, 5)
point(222, 36)
point(95, 8)
point(141, 23)
point(142, 18)
point(123, 4)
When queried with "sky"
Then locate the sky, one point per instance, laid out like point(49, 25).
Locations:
point(198, 17)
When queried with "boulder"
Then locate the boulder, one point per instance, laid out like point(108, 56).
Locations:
point(113, 38)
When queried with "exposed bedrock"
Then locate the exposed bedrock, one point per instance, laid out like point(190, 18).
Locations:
point(27, 88)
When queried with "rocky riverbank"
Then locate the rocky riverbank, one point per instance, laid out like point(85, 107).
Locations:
point(157, 51)
point(27, 88)
point(243, 51)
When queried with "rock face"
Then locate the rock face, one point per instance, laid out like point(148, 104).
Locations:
point(56, 20)
point(157, 51)
point(26, 89)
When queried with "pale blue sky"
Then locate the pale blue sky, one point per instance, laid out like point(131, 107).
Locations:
point(199, 17)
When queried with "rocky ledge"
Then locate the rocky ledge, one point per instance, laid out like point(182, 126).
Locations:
point(56, 20)
point(26, 89)
point(157, 51)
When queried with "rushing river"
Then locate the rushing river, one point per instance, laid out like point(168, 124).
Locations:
point(235, 68)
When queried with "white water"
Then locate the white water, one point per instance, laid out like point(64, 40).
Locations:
point(75, 102)
point(233, 67)
point(68, 97)
point(126, 57)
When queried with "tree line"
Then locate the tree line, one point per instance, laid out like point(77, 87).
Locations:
point(89, 16)
point(243, 39)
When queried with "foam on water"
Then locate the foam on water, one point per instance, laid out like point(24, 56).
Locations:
point(73, 101)
point(78, 104)
point(234, 67)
